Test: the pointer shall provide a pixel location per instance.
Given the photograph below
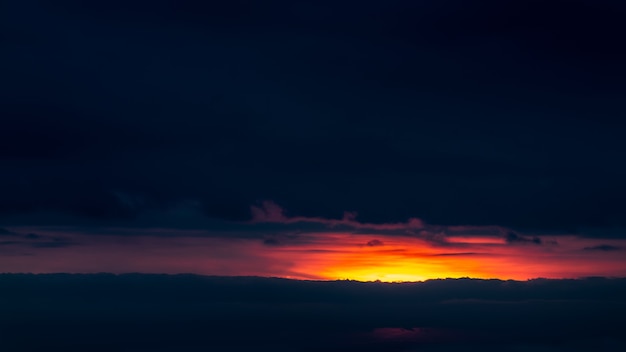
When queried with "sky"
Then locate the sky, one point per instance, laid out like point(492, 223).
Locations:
point(367, 140)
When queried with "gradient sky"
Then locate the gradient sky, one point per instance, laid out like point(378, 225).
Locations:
point(370, 140)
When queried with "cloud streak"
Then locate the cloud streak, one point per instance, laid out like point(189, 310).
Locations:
point(603, 248)
point(34, 240)
point(270, 212)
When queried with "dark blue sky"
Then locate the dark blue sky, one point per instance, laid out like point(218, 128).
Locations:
point(505, 113)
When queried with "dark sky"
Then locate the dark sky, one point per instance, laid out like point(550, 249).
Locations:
point(185, 114)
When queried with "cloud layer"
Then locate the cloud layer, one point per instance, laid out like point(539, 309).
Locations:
point(188, 313)
point(456, 113)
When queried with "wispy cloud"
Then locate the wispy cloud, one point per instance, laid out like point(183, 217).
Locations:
point(34, 240)
point(603, 248)
point(270, 212)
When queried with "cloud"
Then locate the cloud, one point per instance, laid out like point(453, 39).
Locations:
point(35, 240)
point(459, 254)
point(603, 248)
point(384, 166)
point(375, 243)
point(515, 238)
point(32, 236)
point(5, 232)
point(53, 243)
point(271, 242)
point(270, 212)
point(199, 313)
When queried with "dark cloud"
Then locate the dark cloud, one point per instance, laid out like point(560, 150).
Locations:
point(271, 242)
point(375, 243)
point(35, 240)
point(186, 312)
point(459, 254)
point(603, 247)
point(53, 243)
point(5, 232)
point(456, 113)
point(514, 238)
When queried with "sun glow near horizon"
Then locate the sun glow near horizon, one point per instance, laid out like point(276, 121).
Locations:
point(320, 256)
point(399, 258)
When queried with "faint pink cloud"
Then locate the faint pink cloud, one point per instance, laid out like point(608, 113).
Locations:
point(270, 212)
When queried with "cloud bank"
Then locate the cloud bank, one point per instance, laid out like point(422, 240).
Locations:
point(189, 313)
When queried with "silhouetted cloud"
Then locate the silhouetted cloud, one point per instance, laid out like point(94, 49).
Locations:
point(34, 240)
point(163, 312)
point(53, 243)
point(271, 242)
point(270, 212)
point(260, 111)
point(375, 243)
point(513, 238)
point(603, 247)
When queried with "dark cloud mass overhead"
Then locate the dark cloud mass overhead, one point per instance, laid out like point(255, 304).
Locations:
point(456, 113)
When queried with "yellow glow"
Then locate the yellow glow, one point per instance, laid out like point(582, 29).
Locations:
point(389, 267)
point(337, 257)
point(398, 258)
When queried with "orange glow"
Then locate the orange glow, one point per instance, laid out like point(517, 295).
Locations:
point(322, 256)
point(476, 240)
point(398, 259)
point(345, 256)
